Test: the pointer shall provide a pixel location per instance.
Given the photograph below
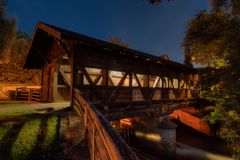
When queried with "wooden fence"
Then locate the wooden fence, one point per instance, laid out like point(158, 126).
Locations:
point(104, 143)
point(28, 94)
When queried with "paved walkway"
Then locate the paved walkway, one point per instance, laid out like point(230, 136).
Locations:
point(35, 107)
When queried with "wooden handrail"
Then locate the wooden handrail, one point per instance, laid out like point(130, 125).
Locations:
point(109, 145)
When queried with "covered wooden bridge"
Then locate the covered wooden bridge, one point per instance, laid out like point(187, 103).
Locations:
point(108, 82)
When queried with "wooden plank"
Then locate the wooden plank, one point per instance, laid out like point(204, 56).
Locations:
point(101, 148)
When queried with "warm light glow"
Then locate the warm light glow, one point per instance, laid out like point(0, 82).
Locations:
point(150, 136)
point(125, 122)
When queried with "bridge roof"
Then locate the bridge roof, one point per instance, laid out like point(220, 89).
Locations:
point(44, 34)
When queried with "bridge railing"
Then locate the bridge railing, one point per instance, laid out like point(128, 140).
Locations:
point(104, 143)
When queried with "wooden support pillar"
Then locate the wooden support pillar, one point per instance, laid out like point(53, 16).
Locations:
point(179, 82)
point(74, 72)
point(51, 82)
point(130, 86)
point(79, 78)
point(105, 77)
point(55, 86)
point(148, 89)
point(46, 72)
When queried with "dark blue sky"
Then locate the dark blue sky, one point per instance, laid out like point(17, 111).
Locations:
point(155, 29)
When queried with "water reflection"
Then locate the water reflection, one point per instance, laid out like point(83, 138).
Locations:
point(191, 145)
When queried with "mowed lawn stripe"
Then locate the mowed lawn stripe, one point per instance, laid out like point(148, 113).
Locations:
point(26, 140)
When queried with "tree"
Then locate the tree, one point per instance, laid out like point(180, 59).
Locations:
point(117, 41)
point(231, 6)
point(212, 39)
point(7, 31)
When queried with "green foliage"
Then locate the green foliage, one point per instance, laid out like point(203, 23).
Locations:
point(207, 39)
point(215, 117)
point(229, 128)
point(212, 39)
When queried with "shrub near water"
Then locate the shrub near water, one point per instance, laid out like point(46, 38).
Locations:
point(26, 140)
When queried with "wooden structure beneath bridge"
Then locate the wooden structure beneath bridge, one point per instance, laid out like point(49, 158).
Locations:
point(119, 82)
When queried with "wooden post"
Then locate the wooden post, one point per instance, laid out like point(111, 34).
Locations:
point(51, 72)
point(45, 82)
point(17, 94)
point(29, 94)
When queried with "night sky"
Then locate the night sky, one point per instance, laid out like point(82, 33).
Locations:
point(155, 29)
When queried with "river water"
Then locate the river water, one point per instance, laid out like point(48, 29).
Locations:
point(191, 145)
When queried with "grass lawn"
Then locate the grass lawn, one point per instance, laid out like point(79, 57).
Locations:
point(11, 104)
point(25, 140)
point(4, 129)
point(32, 137)
point(6, 115)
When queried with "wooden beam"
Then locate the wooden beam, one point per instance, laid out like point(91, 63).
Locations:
point(140, 86)
point(105, 78)
point(85, 73)
point(131, 86)
point(114, 93)
point(49, 30)
point(155, 109)
point(154, 87)
point(136, 78)
point(97, 79)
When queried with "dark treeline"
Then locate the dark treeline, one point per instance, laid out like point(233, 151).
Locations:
point(13, 46)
